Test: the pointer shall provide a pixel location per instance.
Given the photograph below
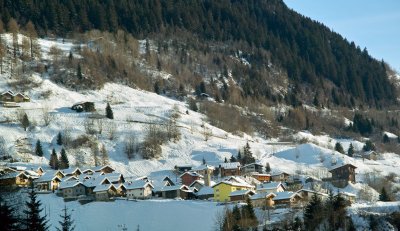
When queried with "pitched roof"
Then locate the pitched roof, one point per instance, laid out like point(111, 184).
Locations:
point(47, 177)
point(340, 166)
point(233, 184)
point(70, 171)
point(137, 184)
point(94, 181)
point(262, 195)
point(12, 175)
point(174, 188)
point(193, 174)
point(99, 168)
point(69, 184)
point(205, 191)
point(197, 181)
point(240, 192)
point(103, 187)
point(270, 185)
point(285, 195)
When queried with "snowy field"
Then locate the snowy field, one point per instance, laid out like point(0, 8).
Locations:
point(149, 215)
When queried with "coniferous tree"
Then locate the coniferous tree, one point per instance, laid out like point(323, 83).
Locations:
point(383, 196)
point(339, 147)
point(67, 224)
point(8, 220)
point(247, 154)
point(233, 159)
point(204, 161)
point(369, 146)
point(267, 168)
point(63, 162)
point(350, 151)
point(32, 219)
point(312, 213)
point(109, 112)
point(225, 160)
point(25, 121)
point(53, 159)
point(79, 72)
point(38, 148)
point(59, 139)
point(239, 156)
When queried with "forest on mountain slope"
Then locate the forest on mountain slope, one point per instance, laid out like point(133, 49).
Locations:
point(312, 55)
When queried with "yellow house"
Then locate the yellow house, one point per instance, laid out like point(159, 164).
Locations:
point(223, 189)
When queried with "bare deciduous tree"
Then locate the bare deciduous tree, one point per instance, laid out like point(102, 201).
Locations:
point(47, 116)
point(131, 146)
point(111, 129)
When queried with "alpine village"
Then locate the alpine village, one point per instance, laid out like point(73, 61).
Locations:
point(192, 115)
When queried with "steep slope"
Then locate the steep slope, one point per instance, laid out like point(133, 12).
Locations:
point(267, 31)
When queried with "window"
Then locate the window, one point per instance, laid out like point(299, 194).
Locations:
point(217, 190)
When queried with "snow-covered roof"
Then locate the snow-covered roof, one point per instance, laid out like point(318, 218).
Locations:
point(69, 184)
point(70, 171)
point(340, 166)
point(312, 191)
point(174, 188)
point(193, 174)
point(99, 168)
point(12, 175)
point(285, 195)
point(103, 187)
point(138, 184)
point(95, 181)
point(270, 185)
point(203, 167)
point(47, 177)
point(205, 191)
point(231, 165)
point(232, 183)
point(239, 180)
point(113, 176)
point(240, 193)
point(262, 195)
point(197, 181)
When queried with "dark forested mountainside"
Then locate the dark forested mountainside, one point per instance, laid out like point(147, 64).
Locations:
point(311, 54)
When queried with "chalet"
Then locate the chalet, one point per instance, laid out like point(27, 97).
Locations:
point(11, 97)
point(104, 169)
point(121, 190)
point(40, 171)
point(71, 189)
point(306, 194)
point(160, 182)
point(104, 192)
point(138, 189)
point(188, 178)
point(286, 199)
point(272, 187)
point(240, 195)
point(47, 182)
point(251, 168)
point(7, 96)
point(19, 97)
point(72, 172)
point(229, 169)
point(84, 106)
point(15, 179)
point(370, 155)
point(91, 183)
point(205, 193)
point(262, 199)
point(345, 172)
point(281, 176)
point(115, 178)
point(262, 177)
point(177, 191)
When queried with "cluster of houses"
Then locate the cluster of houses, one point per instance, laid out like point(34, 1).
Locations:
point(234, 183)
point(9, 98)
